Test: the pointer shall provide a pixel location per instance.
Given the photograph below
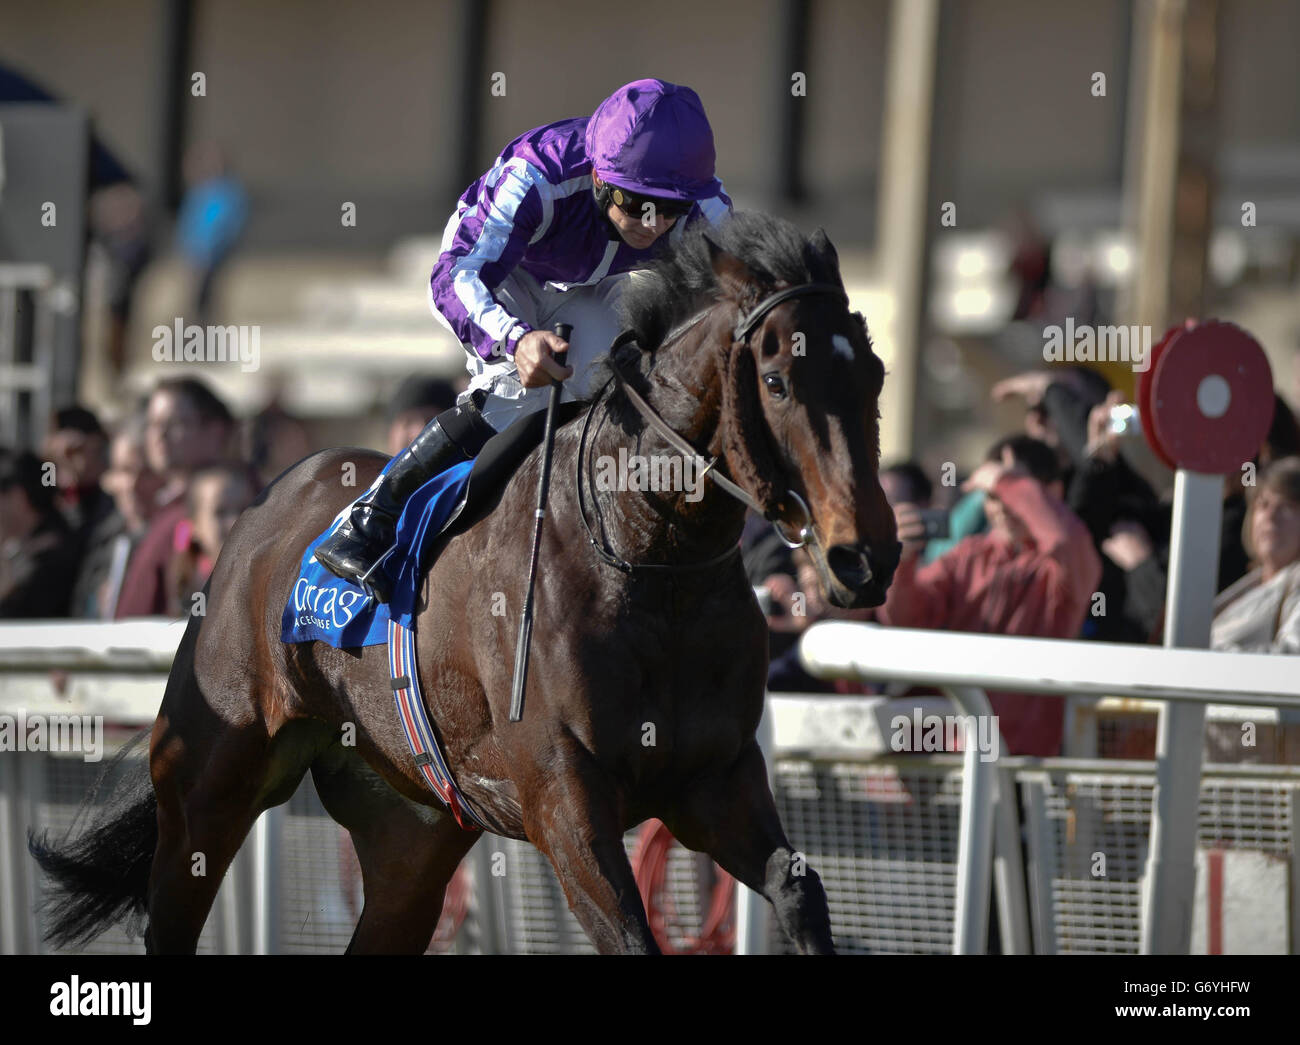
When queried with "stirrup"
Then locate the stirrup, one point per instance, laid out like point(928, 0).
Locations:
point(364, 580)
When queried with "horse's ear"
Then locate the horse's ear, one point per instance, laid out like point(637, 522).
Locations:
point(735, 278)
point(824, 251)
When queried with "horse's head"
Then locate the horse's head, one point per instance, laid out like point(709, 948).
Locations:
point(801, 416)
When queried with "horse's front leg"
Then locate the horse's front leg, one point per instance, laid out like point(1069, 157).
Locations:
point(576, 823)
point(731, 816)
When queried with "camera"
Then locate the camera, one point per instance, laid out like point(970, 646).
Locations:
point(1125, 420)
point(935, 521)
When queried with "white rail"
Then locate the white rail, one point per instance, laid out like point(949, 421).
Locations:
point(145, 644)
point(868, 652)
point(116, 670)
point(965, 665)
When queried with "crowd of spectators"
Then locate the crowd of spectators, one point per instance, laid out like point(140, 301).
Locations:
point(106, 525)
point(1057, 535)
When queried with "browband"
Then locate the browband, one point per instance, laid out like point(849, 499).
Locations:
point(746, 324)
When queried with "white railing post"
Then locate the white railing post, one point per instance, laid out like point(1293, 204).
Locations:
point(489, 896)
point(752, 909)
point(13, 919)
point(1169, 885)
point(267, 842)
point(975, 838)
point(1009, 868)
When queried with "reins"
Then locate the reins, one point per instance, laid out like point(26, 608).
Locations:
point(743, 329)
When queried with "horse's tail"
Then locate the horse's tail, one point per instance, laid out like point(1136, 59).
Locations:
point(103, 876)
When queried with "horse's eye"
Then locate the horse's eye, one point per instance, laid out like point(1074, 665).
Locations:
point(775, 385)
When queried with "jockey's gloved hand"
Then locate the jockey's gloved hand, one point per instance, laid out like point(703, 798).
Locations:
point(535, 359)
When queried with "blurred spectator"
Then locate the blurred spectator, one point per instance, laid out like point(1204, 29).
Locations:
point(1033, 573)
point(1030, 263)
point(801, 604)
point(1124, 516)
point(766, 556)
point(1068, 407)
point(1138, 538)
point(418, 401)
point(1057, 404)
point(188, 429)
point(770, 568)
point(1283, 439)
point(78, 448)
point(1261, 612)
point(133, 487)
point(965, 519)
point(217, 495)
point(37, 550)
point(211, 218)
point(119, 223)
point(906, 483)
point(274, 439)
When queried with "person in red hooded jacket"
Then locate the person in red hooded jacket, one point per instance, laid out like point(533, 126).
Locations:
point(1032, 573)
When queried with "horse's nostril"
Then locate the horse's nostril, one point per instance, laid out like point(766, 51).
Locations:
point(850, 565)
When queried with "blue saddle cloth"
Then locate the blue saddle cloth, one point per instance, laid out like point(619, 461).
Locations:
point(326, 608)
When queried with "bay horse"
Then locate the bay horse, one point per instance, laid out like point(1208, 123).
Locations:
point(649, 660)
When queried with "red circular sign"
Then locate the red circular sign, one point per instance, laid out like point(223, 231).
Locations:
point(1210, 397)
point(1144, 392)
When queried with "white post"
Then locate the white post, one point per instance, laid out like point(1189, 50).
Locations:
point(267, 868)
point(489, 896)
point(752, 909)
point(1009, 868)
point(1169, 886)
point(12, 853)
point(975, 838)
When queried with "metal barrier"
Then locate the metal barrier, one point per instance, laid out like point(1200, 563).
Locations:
point(958, 663)
point(885, 832)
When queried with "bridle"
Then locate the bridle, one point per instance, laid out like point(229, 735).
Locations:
point(741, 333)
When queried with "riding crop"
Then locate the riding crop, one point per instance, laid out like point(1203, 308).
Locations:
point(565, 331)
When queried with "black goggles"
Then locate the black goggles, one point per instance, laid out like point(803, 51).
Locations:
point(634, 204)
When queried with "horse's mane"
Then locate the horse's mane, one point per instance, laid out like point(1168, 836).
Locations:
point(681, 281)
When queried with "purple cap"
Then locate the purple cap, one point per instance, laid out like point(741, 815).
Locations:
point(652, 137)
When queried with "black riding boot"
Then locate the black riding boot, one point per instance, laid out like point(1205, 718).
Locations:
point(365, 538)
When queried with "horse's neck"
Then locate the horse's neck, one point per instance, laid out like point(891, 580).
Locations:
point(687, 525)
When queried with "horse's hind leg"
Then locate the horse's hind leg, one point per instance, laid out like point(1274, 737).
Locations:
point(206, 804)
point(212, 778)
point(408, 853)
point(732, 817)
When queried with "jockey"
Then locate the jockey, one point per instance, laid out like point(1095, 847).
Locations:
point(549, 235)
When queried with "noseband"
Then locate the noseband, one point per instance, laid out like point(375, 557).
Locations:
point(740, 333)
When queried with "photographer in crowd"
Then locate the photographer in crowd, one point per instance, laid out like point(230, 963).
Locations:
point(1033, 573)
